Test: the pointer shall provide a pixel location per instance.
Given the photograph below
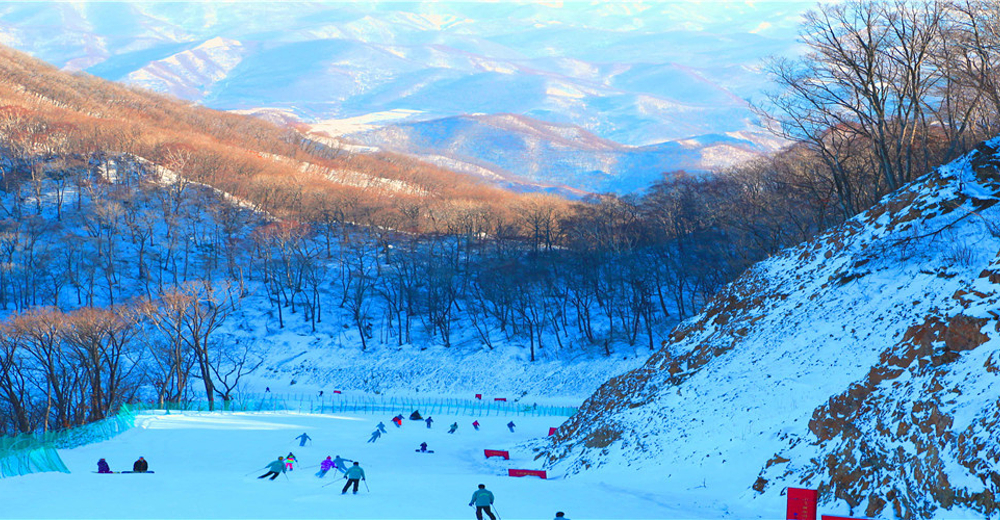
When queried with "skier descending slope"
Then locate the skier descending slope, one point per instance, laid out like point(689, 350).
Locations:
point(482, 498)
point(511, 425)
point(381, 427)
point(475, 424)
point(454, 427)
point(428, 420)
point(341, 463)
point(303, 438)
point(375, 435)
point(275, 468)
point(354, 474)
point(325, 466)
point(290, 461)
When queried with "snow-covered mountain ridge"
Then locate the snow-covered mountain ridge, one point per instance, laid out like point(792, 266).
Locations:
point(859, 363)
point(527, 154)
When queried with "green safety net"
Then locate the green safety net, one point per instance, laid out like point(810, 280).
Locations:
point(36, 452)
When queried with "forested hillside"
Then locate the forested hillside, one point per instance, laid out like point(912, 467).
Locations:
point(152, 249)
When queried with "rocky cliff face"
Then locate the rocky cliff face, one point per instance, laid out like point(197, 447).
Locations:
point(863, 363)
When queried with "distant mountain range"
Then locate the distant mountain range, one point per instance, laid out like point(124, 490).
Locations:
point(526, 154)
point(640, 74)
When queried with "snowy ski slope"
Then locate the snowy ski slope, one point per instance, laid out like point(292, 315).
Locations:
point(206, 466)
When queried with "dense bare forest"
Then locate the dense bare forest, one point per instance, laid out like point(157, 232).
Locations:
point(134, 225)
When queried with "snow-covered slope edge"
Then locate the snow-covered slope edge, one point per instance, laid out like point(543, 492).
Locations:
point(858, 363)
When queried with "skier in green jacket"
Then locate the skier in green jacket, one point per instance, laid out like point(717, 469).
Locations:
point(482, 498)
point(354, 475)
point(275, 468)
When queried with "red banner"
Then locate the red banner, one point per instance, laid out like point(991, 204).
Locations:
point(552, 431)
point(828, 517)
point(504, 399)
point(479, 396)
point(526, 473)
point(801, 504)
point(497, 453)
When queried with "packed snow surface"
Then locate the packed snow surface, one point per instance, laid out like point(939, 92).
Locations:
point(206, 466)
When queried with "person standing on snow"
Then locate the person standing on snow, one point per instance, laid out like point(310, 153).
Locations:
point(475, 424)
point(140, 466)
point(275, 468)
point(375, 435)
point(354, 475)
point(511, 425)
point(482, 498)
point(102, 466)
point(290, 461)
point(454, 426)
point(303, 438)
point(341, 463)
point(325, 466)
point(381, 427)
point(428, 420)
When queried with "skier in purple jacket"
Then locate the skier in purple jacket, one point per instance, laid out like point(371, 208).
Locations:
point(325, 466)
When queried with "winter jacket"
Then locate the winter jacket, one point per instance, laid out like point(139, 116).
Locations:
point(355, 472)
point(326, 465)
point(140, 466)
point(341, 462)
point(482, 497)
point(277, 466)
point(102, 467)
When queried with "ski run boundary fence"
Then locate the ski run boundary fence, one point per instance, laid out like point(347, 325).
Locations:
point(36, 452)
point(371, 405)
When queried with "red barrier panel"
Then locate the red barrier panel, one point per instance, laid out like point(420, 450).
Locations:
point(504, 399)
point(801, 504)
point(336, 391)
point(552, 431)
point(526, 473)
point(497, 453)
point(479, 396)
point(828, 517)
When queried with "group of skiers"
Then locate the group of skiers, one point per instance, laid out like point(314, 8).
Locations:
point(415, 416)
point(482, 498)
point(139, 466)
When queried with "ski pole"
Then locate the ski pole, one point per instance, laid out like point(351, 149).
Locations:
point(254, 471)
point(366, 485)
point(495, 511)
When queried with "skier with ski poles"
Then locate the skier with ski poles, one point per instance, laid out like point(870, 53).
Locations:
point(341, 463)
point(303, 438)
point(511, 425)
point(381, 427)
point(428, 420)
point(354, 474)
point(454, 427)
point(325, 466)
point(375, 435)
point(275, 468)
point(482, 498)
